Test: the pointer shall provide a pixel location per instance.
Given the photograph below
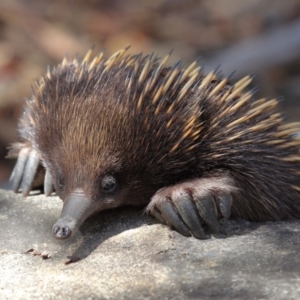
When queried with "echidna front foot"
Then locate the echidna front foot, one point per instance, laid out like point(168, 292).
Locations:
point(187, 206)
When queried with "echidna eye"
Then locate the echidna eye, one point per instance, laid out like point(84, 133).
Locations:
point(60, 181)
point(108, 183)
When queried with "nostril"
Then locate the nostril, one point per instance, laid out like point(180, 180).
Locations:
point(61, 232)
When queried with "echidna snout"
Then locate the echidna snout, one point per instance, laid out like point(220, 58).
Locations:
point(61, 232)
point(76, 209)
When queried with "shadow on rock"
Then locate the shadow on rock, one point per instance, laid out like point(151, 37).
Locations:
point(104, 225)
point(107, 224)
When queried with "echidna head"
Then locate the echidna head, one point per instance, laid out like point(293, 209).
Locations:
point(89, 156)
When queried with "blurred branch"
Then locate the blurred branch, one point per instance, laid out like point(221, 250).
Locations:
point(252, 56)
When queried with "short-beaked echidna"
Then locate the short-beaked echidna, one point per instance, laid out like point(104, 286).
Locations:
point(128, 130)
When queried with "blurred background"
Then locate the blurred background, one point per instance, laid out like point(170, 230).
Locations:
point(254, 36)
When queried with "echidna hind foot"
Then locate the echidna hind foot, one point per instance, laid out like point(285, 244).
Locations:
point(28, 173)
point(188, 205)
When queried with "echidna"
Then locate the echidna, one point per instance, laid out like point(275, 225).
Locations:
point(128, 130)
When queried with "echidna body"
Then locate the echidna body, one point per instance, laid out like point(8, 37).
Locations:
point(131, 131)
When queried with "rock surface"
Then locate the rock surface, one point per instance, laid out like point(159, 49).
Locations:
point(125, 255)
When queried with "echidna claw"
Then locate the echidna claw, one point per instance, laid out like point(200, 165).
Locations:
point(188, 212)
point(25, 171)
point(172, 218)
point(208, 212)
point(18, 171)
point(29, 173)
point(157, 214)
point(225, 202)
point(48, 184)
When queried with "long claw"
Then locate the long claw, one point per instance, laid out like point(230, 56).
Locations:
point(157, 215)
point(188, 212)
point(48, 184)
point(29, 172)
point(225, 202)
point(172, 218)
point(208, 212)
point(18, 171)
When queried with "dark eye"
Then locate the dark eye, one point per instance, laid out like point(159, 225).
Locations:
point(60, 181)
point(108, 184)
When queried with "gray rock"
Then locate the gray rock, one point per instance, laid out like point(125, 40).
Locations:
point(127, 255)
